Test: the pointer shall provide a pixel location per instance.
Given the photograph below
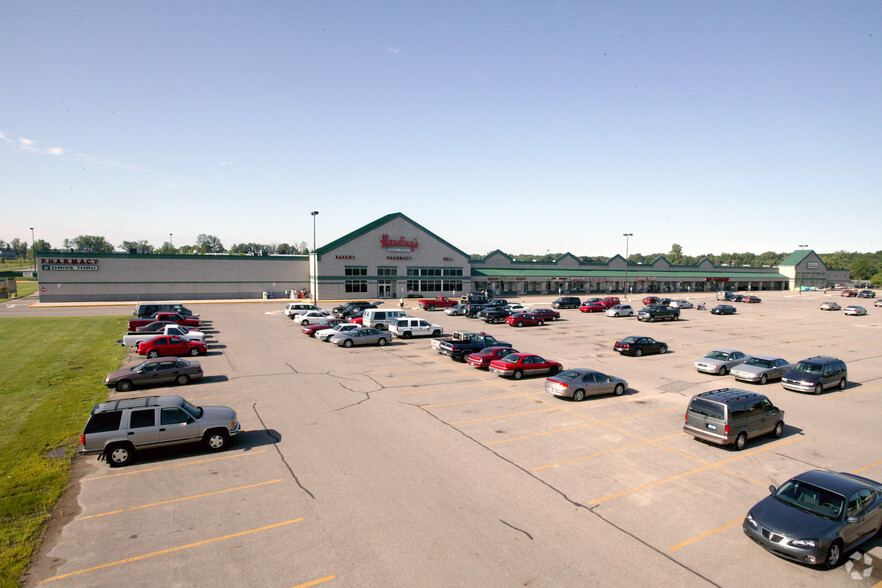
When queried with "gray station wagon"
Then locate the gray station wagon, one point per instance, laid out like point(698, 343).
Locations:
point(730, 416)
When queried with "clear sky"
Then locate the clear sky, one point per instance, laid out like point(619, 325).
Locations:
point(525, 126)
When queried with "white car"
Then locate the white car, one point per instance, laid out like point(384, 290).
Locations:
point(326, 334)
point(310, 316)
point(294, 308)
point(721, 361)
point(855, 310)
point(682, 304)
point(407, 327)
point(516, 308)
point(620, 310)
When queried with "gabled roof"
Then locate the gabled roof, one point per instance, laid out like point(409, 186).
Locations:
point(491, 254)
point(797, 257)
point(565, 255)
point(377, 224)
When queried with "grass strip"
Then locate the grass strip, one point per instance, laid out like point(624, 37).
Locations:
point(51, 374)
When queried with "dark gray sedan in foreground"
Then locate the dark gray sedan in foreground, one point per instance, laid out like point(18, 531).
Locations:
point(579, 383)
point(816, 517)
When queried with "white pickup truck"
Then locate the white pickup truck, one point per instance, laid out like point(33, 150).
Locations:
point(132, 339)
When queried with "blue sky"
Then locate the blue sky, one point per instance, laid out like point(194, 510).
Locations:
point(522, 126)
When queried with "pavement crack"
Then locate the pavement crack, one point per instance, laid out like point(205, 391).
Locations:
point(516, 529)
point(277, 439)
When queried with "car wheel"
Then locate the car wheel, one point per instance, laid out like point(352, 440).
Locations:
point(540, 323)
point(216, 439)
point(381, 341)
point(834, 554)
point(152, 353)
point(520, 323)
point(818, 389)
point(194, 351)
point(842, 384)
point(740, 441)
point(494, 320)
point(630, 314)
point(436, 333)
point(431, 307)
point(407, 334)
point(662, 350)
point(638, 352)
point(554, 318)
point(553, 370)
point(123, 386)
point(723, 370)
point(518, 374)
point(118, 455)
point(304, 323)
point(578, 395)
point(619, 390)
point(347, 343)
point(182, 380)
point(764, 378)
point(778, 430)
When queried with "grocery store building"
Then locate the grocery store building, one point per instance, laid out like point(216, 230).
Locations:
point(392, 257)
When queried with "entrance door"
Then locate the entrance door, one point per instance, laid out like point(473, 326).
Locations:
point(384, 289)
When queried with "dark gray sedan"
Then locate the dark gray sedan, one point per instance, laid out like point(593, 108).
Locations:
point(158, 370)
point(579, 383)
point(363, 336)
point(816, 517)
point(761, 369)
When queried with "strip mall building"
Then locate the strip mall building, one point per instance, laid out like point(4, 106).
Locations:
point(394, 257)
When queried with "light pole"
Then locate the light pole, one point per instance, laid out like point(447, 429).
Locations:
point(34, 251)
point(314, 214)
point(170, 242)
point(802, 247)
point(627, 236)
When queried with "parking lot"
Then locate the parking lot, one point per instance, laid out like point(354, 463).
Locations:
point(396, 466)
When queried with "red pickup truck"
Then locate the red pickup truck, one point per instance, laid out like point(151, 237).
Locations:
point(437, 302)
point(187, 321)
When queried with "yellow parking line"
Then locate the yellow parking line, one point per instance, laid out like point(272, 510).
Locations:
point(314, 582)
point(551, 465)
point(177, 465)
point(104, 514)
point(872, 465)
point(573, 428)
point(502, 416)
point(690, 472)
point(170, 550)
point(705, 535)
point(472, 401)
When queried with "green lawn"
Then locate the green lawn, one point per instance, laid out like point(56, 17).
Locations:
point(51, 374)
point(24, 287)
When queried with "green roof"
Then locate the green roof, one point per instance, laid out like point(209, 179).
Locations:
point(797, 257)
point(540, 273)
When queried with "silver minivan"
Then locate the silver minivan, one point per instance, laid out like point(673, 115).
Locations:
point(380, 319)
point(731, 416)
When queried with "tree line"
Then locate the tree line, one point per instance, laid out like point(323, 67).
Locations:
point(204, 244)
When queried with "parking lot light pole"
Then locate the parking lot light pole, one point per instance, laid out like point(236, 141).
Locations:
point(798, 287)
point(314, 214)
point(626, 236)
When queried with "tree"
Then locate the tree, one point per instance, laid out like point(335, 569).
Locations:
point(282, 248)
point(676, 254)
point(136, 246)
point(92, 244)
point(41, 246)
point(187, 250)
point(303, 248)
point(167, 249)
point(862, 268)
point(877, 280)
point(209, 244)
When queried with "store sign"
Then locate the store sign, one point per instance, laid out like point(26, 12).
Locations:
point(68, 264)
point(811, 265)
point(716, 279)
point(344, 257)
point(400, 244)
point(398, 257)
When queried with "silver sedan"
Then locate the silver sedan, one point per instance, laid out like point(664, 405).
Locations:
point(620, 310)
point(363, 336)
point(761, 368)
point(455, 310)
point(579, 383)
point(721, 361)
point(682, 304)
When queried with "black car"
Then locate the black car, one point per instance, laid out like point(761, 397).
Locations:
point(472, 310)
point(638, 346)
point(866, 294)
point(566, 302)
point(353, 309)
point(723, 309)
point(493, 314)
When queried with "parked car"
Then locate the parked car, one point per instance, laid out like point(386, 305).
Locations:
point(817, 517)
point(310, 316)
point(848, 294)
point(379, 319)
point(878, 302)
point(463, 343)
point(150, 372)
point(171, 346)
point(159, 326)
point(761, 369)
point(593, 307)
point(516, 307)
point(439, 302)
point(482, 358)
point(816, 374)
point(650, 300)
point(353, 309)
point(730, 416)
point(830, 306)
point(546, 313)
point(658, 312)
point(620, 310)
point(118, 429)
point(566, 302)
point(518, 365)
point(580, 382)
point(681, 304)
point(407, 327)
point(494, 314)
point(327, 323)
point(866, 294)
point(325, 334)
point(525, 319)
point(457, 310)
point(147, 309)
point(751, 299)
point(724, 295)
point(292, 309)
point(723, 309)
point(855, 310)
point(720, 361)
point(638, 346)
point(360, 336)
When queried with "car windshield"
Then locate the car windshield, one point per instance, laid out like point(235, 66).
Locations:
point(721, 355)
point(811, 499)
point(193, 411)
point(139, 366)
point(807, 368)
point(763, 363)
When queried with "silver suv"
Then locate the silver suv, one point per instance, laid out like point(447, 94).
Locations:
point(730, 416)
point(116, 430)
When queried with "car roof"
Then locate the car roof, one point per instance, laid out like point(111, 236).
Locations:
point(839, 482)
point(726, 395)
point(140, 402)
point(769, 357)
point(725, 350)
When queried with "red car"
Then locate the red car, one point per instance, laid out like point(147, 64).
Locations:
point(359, 320)
point(483, 358)
point(310, 330)
point(848, 293)
point(610, 301)
point(525, 319)
point(170, 346)
point(518, 365)
point(594, 307)
point(546, 314)
point(649, 300)
point(752, 299)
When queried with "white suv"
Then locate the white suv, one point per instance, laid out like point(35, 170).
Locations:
point(407, 327)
